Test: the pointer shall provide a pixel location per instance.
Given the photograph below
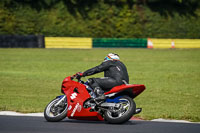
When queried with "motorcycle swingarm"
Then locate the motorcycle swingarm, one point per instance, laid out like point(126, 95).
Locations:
point(116, 105)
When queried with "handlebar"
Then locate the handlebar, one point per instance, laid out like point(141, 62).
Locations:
point(75, 76)
point(78, 77)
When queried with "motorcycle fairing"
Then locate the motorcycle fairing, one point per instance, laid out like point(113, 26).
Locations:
point(76, 95)
point(136, 89)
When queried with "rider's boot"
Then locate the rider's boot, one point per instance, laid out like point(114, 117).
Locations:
point(100, 95)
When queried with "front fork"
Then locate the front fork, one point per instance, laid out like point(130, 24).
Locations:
point(62, 98)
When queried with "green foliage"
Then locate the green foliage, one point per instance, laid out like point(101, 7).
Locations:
point(102, 18)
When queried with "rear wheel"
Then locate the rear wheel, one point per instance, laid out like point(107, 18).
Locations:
point(54, 113)
point(123, 113)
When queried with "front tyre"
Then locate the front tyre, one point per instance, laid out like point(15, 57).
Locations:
point(123, 114)
point(54, 113)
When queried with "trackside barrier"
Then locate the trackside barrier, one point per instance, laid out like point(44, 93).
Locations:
point(68, 42)
point(120, 42)
point(22, 41)
point(175, 43)
point(39, 41)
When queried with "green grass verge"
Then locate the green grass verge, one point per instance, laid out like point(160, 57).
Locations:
point(30, 78)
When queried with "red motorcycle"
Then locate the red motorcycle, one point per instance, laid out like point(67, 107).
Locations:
point(78, 103)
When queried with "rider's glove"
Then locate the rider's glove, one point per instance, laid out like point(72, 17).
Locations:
point(79, 75)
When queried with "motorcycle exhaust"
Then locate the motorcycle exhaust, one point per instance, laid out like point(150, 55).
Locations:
point(138, 110)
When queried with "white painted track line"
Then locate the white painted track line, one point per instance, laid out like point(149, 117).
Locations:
point(11, 113)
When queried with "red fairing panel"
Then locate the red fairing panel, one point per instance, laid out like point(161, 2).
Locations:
point(119, 88)
point(75, 101)
point(137, 89)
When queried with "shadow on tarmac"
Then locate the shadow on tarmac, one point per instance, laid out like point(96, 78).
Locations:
point(130, 122)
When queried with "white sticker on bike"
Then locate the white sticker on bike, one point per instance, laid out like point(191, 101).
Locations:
point(73, 95)
point(79, 108)
point(70, 107)
point(74, 110)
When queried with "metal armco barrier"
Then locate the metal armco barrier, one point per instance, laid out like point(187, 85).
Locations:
point(18, 41)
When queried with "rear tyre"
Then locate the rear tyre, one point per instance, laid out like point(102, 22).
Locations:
point(55, 114)
point(123, 114)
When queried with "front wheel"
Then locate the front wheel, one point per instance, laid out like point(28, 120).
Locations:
point(122, 114)
point(57, 113)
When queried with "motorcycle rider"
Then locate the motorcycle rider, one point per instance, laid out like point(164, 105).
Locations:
point(115, 73)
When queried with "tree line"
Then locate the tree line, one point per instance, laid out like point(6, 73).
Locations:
point(101, 18)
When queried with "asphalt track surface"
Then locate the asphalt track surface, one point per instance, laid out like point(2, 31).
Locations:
point(21, 124)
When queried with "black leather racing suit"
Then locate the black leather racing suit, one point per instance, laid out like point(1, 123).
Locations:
point(114, 74)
